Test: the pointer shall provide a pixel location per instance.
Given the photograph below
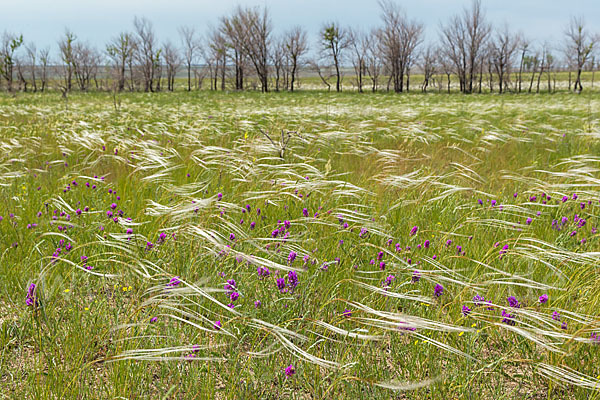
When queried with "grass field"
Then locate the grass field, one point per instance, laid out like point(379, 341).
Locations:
point(416, 246)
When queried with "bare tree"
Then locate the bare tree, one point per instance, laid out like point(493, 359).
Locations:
point(147, 53)
point(373, 60)
point(428, 65)
point(398, 39)
point(463, 40)
point(10, 44)
point(295, 46)
point(44, 62)
point(32, 61)
point(359, 45)
point(217, 58)
point(191, 50)
point(524, 46)
point(502, 51)
point(234, 32)
point(65, 46)
point(278, 57)
point(172, 63)
point(84, 62)
point(121, 50)
point(325, 71)
point(250, 29)
point(579, 45)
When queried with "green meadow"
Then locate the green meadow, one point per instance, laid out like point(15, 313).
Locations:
point(300, 245)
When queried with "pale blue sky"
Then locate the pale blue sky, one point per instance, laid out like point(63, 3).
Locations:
point(43, 21)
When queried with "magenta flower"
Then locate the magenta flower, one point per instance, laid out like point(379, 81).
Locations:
point(289, 371)
point(292, 279)
point(281, 284)
point(414, 230)
point(543, 299)
point(217, 325)
point(438, 290)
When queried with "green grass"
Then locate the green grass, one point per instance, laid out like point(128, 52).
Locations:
point(379, 162)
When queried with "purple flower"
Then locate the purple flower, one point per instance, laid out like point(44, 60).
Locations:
point(426, 244)
point(438, 290)
point(174, 281)
point(252, 225)
point(565, 198)
point(292, 257)
point(414, 230)
point(153, 320)
point(263, 272)
point(556, 316)
point(416, 276)
point(231, 236)
point(528, 221)
point(382, 265)
point(234, 296)
point(31, 299)
point(281, 284)
point(290, 370)
point(508, 318)
point(292, 279)
point(347, 313)
point(543, 299)
point(478, 300)
point(257, 304)
point(149, 245)
point(513, 302)
point(494, 203)
point(480, 202)
point(217, 325)
point(305, 212)
point(219, 196)
point(388, 281)
point(466, 310)
point(230, 286)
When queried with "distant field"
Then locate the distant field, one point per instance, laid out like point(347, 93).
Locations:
point(425, 246)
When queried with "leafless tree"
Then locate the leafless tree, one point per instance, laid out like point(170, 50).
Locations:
point(217, 58)
point(523, 47)
point(251, 29)
point(579, 45)
point(121, 50)
point(429, 60)
point(502, 50)
point(373, 60)
point(295, 46)
point(172, 63)
point(325, 71)
point(44, 63)
point(191, 50)
point(398, 39)
point(84, 62)
point(32, 61)
point(234, 33)
point(359, 46)
point(147, 52)
point(65, 45)
point(10, 44)
point(463, 40)
point(278, 61)
point(334, 40)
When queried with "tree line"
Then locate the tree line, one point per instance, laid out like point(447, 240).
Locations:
point(242, 53)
